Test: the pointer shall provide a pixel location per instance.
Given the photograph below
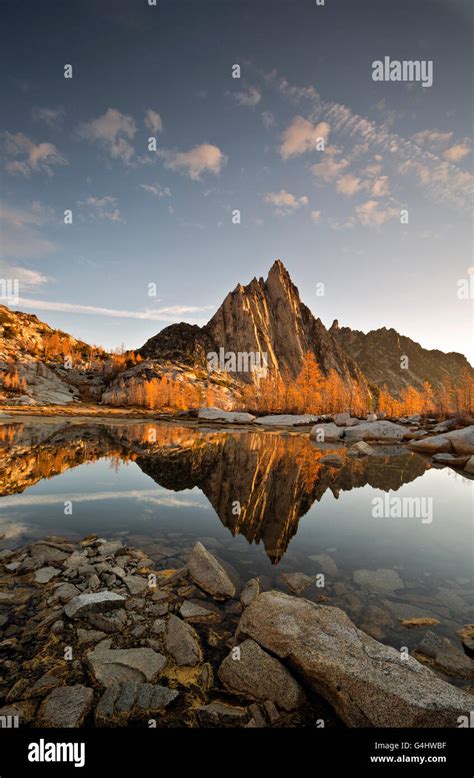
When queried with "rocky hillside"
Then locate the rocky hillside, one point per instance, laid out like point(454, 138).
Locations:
point(379, 354)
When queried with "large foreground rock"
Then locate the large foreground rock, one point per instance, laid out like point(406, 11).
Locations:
point(209, 574)
point(367, 683)
point(460, 442)
point(374, 430)
point(258, 675)
point(215, 414)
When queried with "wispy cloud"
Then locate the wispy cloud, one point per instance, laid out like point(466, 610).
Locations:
point(25, 157)
point(285, 203)
point(156, 190)
point(113, 131)
point(102, 208)
point(21, 235)
point(170, 313)
point(153, 122)
point(50, 116)
point(249, 97)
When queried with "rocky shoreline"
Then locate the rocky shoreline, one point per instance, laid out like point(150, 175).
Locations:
point(91, 634)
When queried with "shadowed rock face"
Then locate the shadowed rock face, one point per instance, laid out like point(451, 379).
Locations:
point(276, 479)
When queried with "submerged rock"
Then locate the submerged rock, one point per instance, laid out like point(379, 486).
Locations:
point(249, 592)
point(366, 682)
point(258, 675)
point(383, 581)
point(297, 582)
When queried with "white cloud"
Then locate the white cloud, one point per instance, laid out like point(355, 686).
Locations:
point(457, 152)
point(316, 216)
point(250, 97)
point(285, 202)
point(26, 157)
point(330, 168)
point(204, 158)
point(156, 190)
point(380, 187)
point(348, 185)
point(302, 136)
point(113, 131)
point(153, 122)
point(372, 214)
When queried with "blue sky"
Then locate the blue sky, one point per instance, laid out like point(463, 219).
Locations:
point(142, 217)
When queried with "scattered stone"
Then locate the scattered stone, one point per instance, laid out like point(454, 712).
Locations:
point(218, 714)
point(326, 433)
point(110, 548)
point(124, 665)
point(66, 592)
point(297, 582)
point(125, 701)
point(114, 621)
point(159, 626)
point(216, 414)
point(197, 613)
point(332, 460)
point(135, 584)
point(209, 574)
point(96, 602)
point(341, 419)
point(450, 459)
point(374, 430)
point(271, 711)
point(258, 675)
point(48, 553)
point(89, 636)
point(46, 574)
point(287, 420)
point(366, 682)
point(66, 707)
point(182, 642)
point(249, 592)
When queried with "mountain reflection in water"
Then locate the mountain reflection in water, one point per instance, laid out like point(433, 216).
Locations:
point(259, 483)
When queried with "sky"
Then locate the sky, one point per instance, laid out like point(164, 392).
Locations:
point(319, 159)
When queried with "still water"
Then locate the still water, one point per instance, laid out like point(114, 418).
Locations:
point(262, 501)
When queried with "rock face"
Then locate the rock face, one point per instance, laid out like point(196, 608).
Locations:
point(378, 354)
point(209, 574)
point(259, 676)
point(264, 317)
point(366, 682)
